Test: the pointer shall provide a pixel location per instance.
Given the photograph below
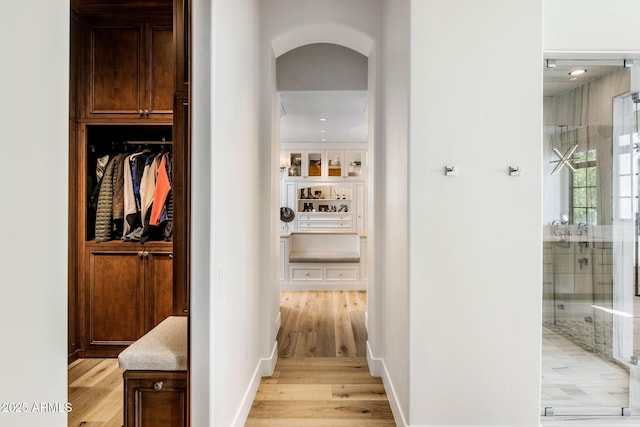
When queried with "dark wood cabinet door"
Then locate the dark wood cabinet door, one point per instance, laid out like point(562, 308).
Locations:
point(160, 71)
point(115, 83)
point(155, 399)
point(159, 282)
point(115, 295)
point(130, 69)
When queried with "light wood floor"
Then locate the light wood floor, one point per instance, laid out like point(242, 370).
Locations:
point(321, 378)
point(322, 324)
point(96, 393)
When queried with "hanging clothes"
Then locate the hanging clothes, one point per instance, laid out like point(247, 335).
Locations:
point(104, 209)
point(163, 187)
point(126, 195)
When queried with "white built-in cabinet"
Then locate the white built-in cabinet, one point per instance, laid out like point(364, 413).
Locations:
point(325, 185)
point(333, 164)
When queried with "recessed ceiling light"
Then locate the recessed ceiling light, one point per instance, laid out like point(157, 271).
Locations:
point(573, 79)
point(323, 119)
point(577, 72)
point(323, 140)
point(323, 131)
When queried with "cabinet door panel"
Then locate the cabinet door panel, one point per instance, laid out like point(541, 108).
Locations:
point(159, 278)
point(161, 70)
point(115, 296)
point(157, 402)
point(115, 81)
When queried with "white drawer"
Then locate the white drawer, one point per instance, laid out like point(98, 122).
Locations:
point(306, 273)
point(324, 224)
point(342, 273)
point(325, 217)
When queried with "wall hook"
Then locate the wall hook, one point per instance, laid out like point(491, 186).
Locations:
point(514, 170)
point(450, 170)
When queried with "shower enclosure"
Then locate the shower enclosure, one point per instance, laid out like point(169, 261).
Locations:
point(590, 236)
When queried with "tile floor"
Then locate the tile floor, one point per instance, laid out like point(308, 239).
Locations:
point(579, 385)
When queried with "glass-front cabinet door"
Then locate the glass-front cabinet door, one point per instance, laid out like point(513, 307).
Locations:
point(324, 164)
point(354, 164)
point(313, 164)
point(334, 164)
point(295, 164)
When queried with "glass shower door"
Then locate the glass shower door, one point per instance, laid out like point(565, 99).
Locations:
point(590, 193)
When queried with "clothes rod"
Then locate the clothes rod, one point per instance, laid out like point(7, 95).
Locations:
point(163, 142)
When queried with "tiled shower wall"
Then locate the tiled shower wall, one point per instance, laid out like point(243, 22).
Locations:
point(577, 277)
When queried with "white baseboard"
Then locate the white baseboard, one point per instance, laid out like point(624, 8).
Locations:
point(264, 368)
point(379, 369)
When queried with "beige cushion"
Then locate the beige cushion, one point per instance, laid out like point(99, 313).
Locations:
point(331, 257)
point(164, 348)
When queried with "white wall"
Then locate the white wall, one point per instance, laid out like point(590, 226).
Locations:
point(475, 238)
point(593, 26)
point(34, 119)
point(228, 303)
point(391, 205)
point(321, 66)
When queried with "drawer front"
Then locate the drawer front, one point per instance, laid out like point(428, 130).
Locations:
point(325, 217)
point(324, 224)
point(306, 273)
point(337, 273)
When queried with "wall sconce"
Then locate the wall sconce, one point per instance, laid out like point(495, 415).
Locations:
point(285, 161)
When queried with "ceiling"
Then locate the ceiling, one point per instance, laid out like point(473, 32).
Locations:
point(557, 80)
point(345, 113)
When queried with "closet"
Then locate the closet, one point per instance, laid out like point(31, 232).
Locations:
point(129, 171)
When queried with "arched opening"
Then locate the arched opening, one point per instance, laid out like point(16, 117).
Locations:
point(323, 141)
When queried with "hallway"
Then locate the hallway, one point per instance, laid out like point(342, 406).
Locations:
point(321, 378)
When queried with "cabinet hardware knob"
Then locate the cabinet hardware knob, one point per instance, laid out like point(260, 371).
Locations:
point(306, 274)
point(146, 113)
point(140, 254)
point(158, 386)
point(145, 254)
point(170, 256)
point(140, 112)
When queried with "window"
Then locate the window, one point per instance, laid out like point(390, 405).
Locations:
point(584, 188)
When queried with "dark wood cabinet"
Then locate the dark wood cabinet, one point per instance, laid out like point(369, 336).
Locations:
point(128, 291)
point(129, 71)
point(155, 398)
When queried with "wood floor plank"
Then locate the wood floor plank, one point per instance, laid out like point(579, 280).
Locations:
point(101, 370)
point(345, 340)
point(80, 367)
point(358, 392)
point(354, 409)
point(295, 392)
point(109, 407)
point(322, 363)
point(297, 422)
point(326, 377)
point(289, 330)
point(97, 396)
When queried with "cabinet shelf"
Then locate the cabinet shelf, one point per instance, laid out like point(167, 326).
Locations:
point(324, 200)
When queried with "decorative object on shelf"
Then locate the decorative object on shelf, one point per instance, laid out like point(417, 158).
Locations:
point(285, 161)
point(287, 214)
point(309, 195)
point(323, 208)
point(344, 208)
